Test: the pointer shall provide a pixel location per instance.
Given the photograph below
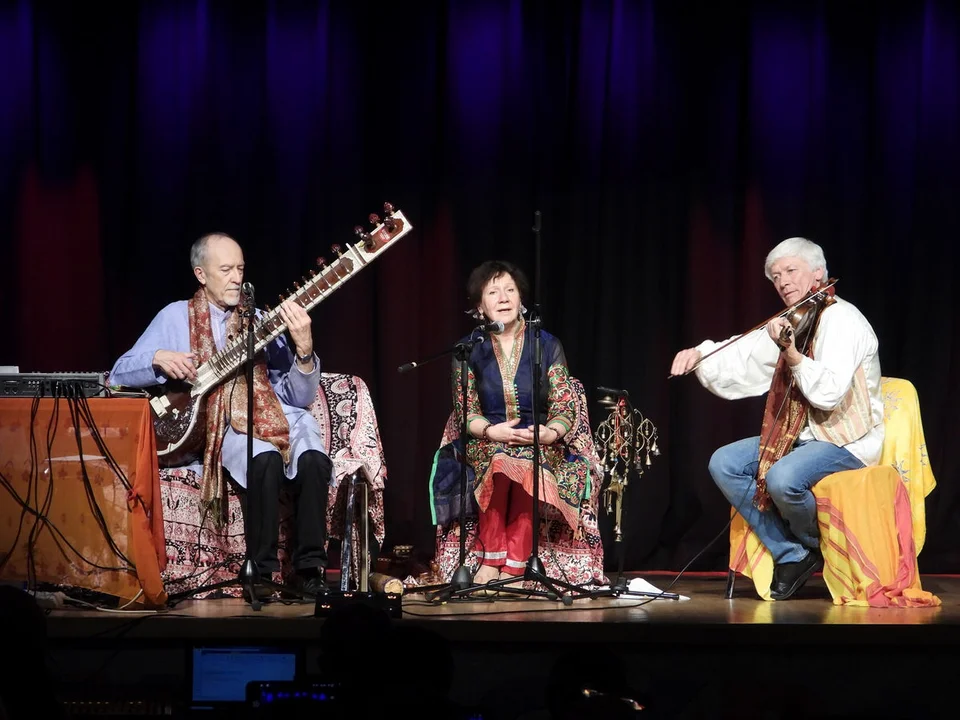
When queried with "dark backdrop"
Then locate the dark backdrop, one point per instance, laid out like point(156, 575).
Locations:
point(668, 146)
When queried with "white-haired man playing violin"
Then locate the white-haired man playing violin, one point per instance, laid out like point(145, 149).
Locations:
point(823, 414)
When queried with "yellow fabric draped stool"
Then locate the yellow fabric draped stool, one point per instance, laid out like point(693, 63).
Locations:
point(872, 521)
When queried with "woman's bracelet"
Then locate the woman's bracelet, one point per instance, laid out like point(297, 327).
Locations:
point(483, 433)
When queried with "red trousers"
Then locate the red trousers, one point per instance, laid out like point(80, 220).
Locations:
point(504, 536)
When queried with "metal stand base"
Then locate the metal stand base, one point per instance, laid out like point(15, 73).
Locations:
point(249, 579)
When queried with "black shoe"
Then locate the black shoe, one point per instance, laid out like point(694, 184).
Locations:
point(790, 577)
point(262, 592)
point(311, 583)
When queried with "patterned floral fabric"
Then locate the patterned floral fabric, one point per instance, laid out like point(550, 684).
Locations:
point(500, 388)
point(572, 554)
point(199, 554)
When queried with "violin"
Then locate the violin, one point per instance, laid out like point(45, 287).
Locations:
point(802, 316)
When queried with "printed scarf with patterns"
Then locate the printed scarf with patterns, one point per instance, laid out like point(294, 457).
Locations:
point(783, 418)
point(228, 402)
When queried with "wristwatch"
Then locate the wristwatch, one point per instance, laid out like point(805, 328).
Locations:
point(304, 359)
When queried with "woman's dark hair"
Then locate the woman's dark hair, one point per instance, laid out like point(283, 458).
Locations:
point(482, 274)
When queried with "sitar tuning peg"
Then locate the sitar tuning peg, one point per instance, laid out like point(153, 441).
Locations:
point(361, 233)
point(337, 250)
point(388, 209)
point(296, 284)
point(321, 262)
point(312, 273)
point(374, 219)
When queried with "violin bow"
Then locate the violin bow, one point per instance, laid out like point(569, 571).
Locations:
point(783, 313)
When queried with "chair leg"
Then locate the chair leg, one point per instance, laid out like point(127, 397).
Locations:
point(346, 547)
point(364, 563)
point(731, 578)
point(359, 548)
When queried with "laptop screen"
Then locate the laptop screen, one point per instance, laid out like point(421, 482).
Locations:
point(220, 674)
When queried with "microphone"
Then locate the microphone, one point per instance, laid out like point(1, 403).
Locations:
point(469, 344)
point(612, 397)
point(407, 367)
point(248, 302)
point(612, 391)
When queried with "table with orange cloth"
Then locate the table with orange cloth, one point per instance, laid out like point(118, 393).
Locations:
point(45, 462)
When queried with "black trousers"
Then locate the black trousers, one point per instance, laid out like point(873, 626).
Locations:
point(261, 509)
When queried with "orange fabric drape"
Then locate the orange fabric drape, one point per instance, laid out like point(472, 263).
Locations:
point(71, 548)
point(866, 536)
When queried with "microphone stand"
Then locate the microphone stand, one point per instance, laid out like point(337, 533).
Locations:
point(249, 576)
point(463, 576)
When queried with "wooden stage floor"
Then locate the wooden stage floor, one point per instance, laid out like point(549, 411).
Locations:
point(625, 619)
point(690, 658)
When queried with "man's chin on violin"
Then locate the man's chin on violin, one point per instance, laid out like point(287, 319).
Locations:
point(823, 413)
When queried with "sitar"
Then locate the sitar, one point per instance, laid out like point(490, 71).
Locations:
point(178, 409)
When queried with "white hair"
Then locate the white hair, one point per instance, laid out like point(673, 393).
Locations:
point(198, 251)
point(798, 247)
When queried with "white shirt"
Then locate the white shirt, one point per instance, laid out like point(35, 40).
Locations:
point(844, 342)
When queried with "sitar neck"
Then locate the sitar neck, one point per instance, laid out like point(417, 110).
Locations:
point(309, 293)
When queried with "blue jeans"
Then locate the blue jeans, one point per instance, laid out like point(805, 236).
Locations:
point(790, 533)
